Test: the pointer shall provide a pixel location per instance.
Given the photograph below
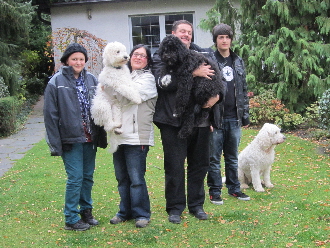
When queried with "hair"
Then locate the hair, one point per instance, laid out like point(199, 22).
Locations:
point(177, 23)
point(222, 29)
point(149, 58)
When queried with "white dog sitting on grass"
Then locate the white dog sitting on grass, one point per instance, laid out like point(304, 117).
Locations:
point(255, 161)
point(115, 89)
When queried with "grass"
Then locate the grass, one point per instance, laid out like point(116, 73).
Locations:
point(296, 213)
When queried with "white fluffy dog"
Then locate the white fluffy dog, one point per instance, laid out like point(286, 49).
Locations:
point(115, 89)
point(256, 159)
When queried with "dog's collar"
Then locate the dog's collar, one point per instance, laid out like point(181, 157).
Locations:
point(116, 67)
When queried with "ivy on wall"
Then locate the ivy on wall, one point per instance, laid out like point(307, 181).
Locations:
point(62, 37)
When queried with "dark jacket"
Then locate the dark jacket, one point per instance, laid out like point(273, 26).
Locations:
point(242, 100)
point(62, 115)
point(166, 101)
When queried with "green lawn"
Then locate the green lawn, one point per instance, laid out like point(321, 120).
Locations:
point(295, 213)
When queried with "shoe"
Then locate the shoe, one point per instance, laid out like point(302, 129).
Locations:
point(240, 196)
point(174, 218)
point(78, 226)
point(141, 223)
point(217, 200)
point(199, 214)
point(115, 220)
point(87, 217)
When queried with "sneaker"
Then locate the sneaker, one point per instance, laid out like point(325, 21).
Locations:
point(217, 200)
point(78, 226)
point(141, 223)
point(174, 218)
point(115, 220)
point(199, 214)
point(240, 196)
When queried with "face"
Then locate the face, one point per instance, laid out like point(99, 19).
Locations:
point(139, 59)
point(223, 42)
point(77, 61)
point(184, 33)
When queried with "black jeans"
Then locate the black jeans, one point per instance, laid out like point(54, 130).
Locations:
point(196, 149)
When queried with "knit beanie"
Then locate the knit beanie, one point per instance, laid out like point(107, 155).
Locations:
point(73, 48)
point(222, 29)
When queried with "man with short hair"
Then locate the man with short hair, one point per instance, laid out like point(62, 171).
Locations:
point(228, 117)
point(195, 147)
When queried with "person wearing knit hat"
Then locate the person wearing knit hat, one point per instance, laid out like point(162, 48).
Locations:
point(72, 134)
point(73, 48)
point(228, 118)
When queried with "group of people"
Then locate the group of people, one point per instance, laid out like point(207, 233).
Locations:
point(72, 134)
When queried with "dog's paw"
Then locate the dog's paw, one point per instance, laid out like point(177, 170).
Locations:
point(259, 189)
point(166, 80)
point(244, 186)
point(269, 185)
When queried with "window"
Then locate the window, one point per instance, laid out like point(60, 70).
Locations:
point(151, 29)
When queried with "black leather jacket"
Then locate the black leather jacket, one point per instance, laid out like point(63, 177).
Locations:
point(242, 100)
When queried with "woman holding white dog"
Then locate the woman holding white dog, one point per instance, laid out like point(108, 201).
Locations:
point(138, 134)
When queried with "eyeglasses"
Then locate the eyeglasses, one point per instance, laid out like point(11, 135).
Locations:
point(139, 55)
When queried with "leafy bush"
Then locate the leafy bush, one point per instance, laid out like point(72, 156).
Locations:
point(324, 110)
point(312, 116)
point(36, 85)
point(3, 88)
point(266, 108)
point(9, 109)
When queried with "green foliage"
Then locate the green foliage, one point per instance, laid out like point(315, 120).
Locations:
point(34, 79)
point(295, 213)
point(9, 109)
point(324, 110)
point(266, 108)
point(23, 40)
point(285, 45)
point(3, 89)
point(15, 18)
point(312, 116)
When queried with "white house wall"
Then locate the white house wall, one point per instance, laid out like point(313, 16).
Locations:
point(110, 20)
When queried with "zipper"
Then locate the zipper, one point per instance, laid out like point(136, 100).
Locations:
point(134, 123)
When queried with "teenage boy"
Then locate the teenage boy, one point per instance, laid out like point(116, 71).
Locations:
point(228, 118)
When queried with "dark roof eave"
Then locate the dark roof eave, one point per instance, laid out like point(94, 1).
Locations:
point(70, 2)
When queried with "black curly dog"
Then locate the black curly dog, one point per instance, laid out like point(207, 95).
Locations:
point(192, 92)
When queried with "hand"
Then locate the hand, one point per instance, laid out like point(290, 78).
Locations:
point(213, 100)
point(203, 71)
point(166, 80)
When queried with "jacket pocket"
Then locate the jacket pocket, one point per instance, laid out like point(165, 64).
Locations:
point(239, 70)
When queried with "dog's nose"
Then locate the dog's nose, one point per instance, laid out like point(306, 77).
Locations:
point(126, 57)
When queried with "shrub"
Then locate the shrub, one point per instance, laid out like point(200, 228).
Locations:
point(3, 88)
point(324, 110)
point(35, 85)
point(312, 116)
point(267, 108)
point(9, 109)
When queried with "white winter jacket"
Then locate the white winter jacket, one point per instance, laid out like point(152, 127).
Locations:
point(137, 119)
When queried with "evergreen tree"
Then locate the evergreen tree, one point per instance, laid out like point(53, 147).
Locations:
point(284, 43)
point(15, 19)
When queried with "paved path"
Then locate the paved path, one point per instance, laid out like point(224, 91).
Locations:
point(15, 146)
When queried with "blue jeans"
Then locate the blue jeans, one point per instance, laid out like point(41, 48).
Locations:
point(224, 140)
point(130, 167)
point(79, 165)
